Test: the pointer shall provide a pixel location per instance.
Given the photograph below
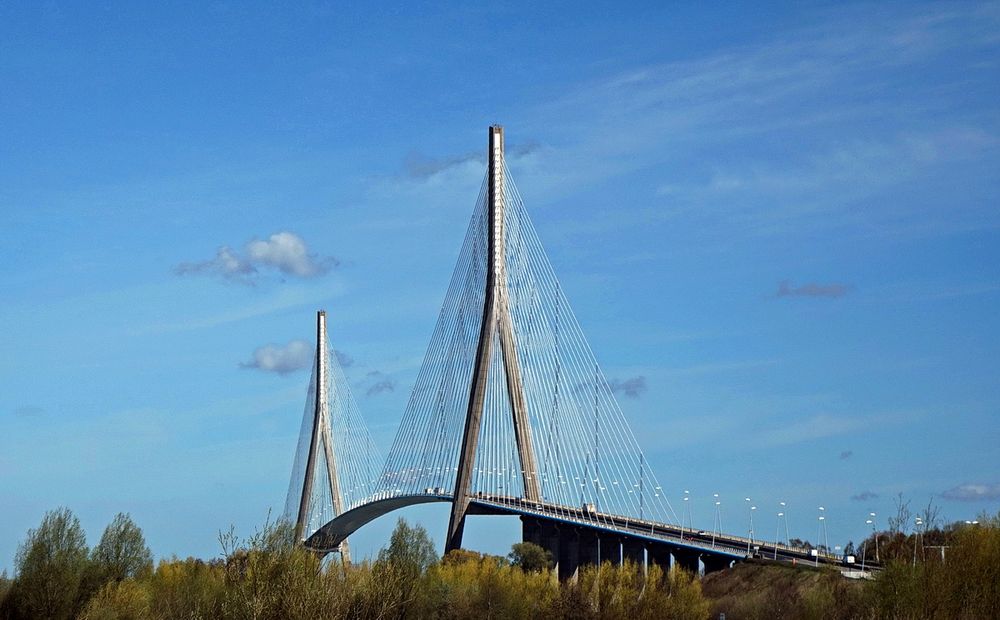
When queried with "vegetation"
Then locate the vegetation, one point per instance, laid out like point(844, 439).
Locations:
point(268, 576)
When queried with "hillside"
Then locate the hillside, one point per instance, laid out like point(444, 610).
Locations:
point(762, 589)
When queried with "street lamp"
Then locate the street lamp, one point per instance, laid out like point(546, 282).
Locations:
point(717, 523)
point(824, 530)
point(874, 533)
point(687, 509)
point(784, 511)
point(777, 533)
point(864, 545)
point(916, 534)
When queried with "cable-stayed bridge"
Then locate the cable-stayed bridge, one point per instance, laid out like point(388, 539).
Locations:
point(510, 414)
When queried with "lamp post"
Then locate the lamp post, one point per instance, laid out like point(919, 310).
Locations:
point(750, 516)
point(824, 530)
point(777, 532)
point(687, 510)
point(916, 534)
point(864, 545)
point(784, 513)
point(717, 523)
point(874, 533)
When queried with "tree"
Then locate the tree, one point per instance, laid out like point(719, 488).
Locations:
point(122, 553)
point(5, 584)
point(930, 515)
point(530, 557)
point(395, 575)
point(50, 566)
point(410, 549)
point(901, 520)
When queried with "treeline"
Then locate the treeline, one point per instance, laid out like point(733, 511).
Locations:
point(267, 576)
point(951, 572)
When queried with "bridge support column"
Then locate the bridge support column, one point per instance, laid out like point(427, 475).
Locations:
point(589, 547)
point(569, 555)
point(633, 551)
point(545, 535)
point(686, 559)
point(610, 548)
point(659, 555)
point(714, 563)
point(531, 531)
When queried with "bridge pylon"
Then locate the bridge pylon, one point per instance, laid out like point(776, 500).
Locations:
point(337, 465)
point(497, 327)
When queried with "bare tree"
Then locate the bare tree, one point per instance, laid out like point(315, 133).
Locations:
point(930, 515)
point(900, 522)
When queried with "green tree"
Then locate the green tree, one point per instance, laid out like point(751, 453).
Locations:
point(5, 584)
point(50, 566)
point(410, 549)
point(530, 557)
point(122, 553)
point(392, 586)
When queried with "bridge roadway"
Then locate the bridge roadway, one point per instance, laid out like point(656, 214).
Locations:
point(549, 524)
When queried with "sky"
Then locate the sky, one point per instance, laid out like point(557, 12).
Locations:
point(778, 226)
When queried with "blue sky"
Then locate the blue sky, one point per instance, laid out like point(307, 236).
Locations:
point(779, 222)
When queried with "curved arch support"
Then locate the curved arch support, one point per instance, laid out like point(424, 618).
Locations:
point(329, 537)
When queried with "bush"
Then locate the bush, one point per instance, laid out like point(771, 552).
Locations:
point(125, 600)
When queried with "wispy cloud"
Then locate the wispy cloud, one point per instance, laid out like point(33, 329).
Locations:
point(633, 387)
point(418, 166)
point(811, 289)
point(973, 492)
point(864, 496)
point(284, 252)
point(345, 360)
point(281, 359)
point(846, 454)
point(381, 383)
point(808, 89)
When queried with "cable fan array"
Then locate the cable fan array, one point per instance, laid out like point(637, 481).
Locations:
point(357, 461)
point(587, 459)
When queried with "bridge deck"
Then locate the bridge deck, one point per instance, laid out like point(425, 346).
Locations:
point(706, 543)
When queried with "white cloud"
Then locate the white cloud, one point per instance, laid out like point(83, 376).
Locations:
point(287, 253)
point(283, 251)
point(295, 355)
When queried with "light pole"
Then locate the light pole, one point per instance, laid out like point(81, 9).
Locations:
point(824, 530)
point(777, 532)
point(750, 515)
point(864, 545)
point(916, 534)
point(687, 510)
point(784, 513)
point(874, 533)
point(717, 523)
